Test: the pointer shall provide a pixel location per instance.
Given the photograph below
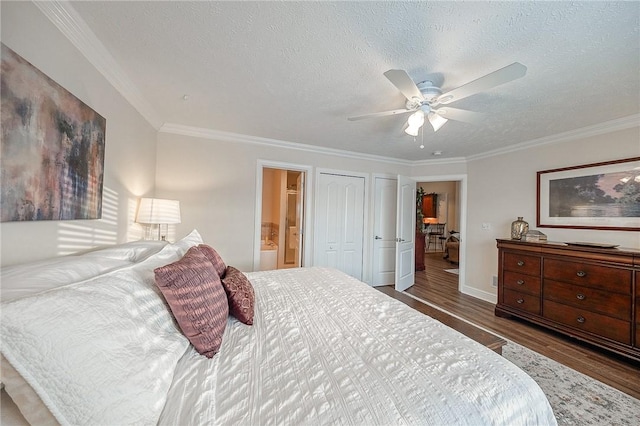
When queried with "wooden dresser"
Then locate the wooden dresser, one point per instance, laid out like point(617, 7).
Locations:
point(592, 294)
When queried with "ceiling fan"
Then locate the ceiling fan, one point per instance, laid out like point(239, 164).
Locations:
point(424, 98)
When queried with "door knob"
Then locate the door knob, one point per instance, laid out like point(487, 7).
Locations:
point(377, 238)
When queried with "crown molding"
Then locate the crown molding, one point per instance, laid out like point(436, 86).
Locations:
point(72, 26)
point(439, 161)
point(623, 123)
point(217, 135)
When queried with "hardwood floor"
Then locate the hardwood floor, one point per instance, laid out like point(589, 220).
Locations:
point(441, 289)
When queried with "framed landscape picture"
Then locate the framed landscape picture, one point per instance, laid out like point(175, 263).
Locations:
point(592, 196)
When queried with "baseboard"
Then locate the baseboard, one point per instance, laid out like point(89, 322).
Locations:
point(479, 294)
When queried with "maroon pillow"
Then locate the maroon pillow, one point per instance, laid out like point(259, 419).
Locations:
point(240, 294)
point(215, 258)
point(193, 290)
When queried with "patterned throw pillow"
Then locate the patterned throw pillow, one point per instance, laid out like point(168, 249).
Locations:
point(215, 258)
point(192, 288)
point(240, 294)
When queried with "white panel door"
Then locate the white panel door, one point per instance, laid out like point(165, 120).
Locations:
point(384, 231)
point(405, 233)
point(340, 219)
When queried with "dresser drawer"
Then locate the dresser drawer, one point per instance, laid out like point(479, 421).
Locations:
point(605, 302)
point(637, 344)
point(521, 282)
point(608, 278)
point(522, 301)
point(591, 322)
point(522, 263)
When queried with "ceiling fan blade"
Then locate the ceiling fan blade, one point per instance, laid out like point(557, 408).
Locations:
point(379, 114)
point(496, 78)
point(461, 115)
point(404, 83)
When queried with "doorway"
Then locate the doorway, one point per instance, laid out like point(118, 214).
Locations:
point(449, 194)
point(281, 200)
point(394, 231)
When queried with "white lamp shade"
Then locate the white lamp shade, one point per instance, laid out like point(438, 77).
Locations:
point(416, 119)
point(412, 131)
point(158, 211)
point(437, 121)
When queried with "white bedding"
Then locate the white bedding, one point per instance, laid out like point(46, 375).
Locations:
point(327, 349)
point(18, 281)
point(324, 349)
point(99, 351)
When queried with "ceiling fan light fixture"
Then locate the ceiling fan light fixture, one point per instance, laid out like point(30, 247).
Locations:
point(437, 121)
point(416, 119)
point(412, 131)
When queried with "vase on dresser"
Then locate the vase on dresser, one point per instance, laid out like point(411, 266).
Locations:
point(519, 228)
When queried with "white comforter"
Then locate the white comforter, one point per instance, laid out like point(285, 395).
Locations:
point(324, 349)
point(327, 349)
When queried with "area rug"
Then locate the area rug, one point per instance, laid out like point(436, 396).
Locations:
point(576, 399)
point(453, 271)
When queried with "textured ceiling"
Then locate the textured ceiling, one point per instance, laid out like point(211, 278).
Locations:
point(294, 71)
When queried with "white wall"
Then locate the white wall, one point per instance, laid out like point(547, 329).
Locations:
point(215, 182)
point(130, 144)
point(502, 187)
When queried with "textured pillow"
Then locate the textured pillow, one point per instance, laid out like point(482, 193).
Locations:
point(215, 258)
point(197, 300)
point(240, 294)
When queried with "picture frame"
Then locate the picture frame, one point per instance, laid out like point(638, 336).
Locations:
point(52, 148)
point(603, 196)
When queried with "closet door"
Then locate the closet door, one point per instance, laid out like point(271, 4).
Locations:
point(340, 223)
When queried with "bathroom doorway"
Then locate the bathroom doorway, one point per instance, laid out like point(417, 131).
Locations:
point(282, 218)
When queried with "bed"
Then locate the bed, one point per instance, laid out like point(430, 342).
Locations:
point(323, 348)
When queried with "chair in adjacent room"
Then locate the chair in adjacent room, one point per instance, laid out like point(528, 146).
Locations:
point(435, 234)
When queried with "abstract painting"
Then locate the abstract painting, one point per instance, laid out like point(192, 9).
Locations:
point(595, 196)
point(52, 155)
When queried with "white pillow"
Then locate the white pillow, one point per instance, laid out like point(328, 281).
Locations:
point(33, 349)
point(30, 278)
point(133, 251)
point(193, 239)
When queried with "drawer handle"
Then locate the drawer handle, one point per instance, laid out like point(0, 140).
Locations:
point(520, 301)
point(581, 296)
point(581, 273)
point(581, 320)
point(520, 282)
point(520, 262)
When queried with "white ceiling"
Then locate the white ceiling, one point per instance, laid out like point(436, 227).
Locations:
point(294, 71)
